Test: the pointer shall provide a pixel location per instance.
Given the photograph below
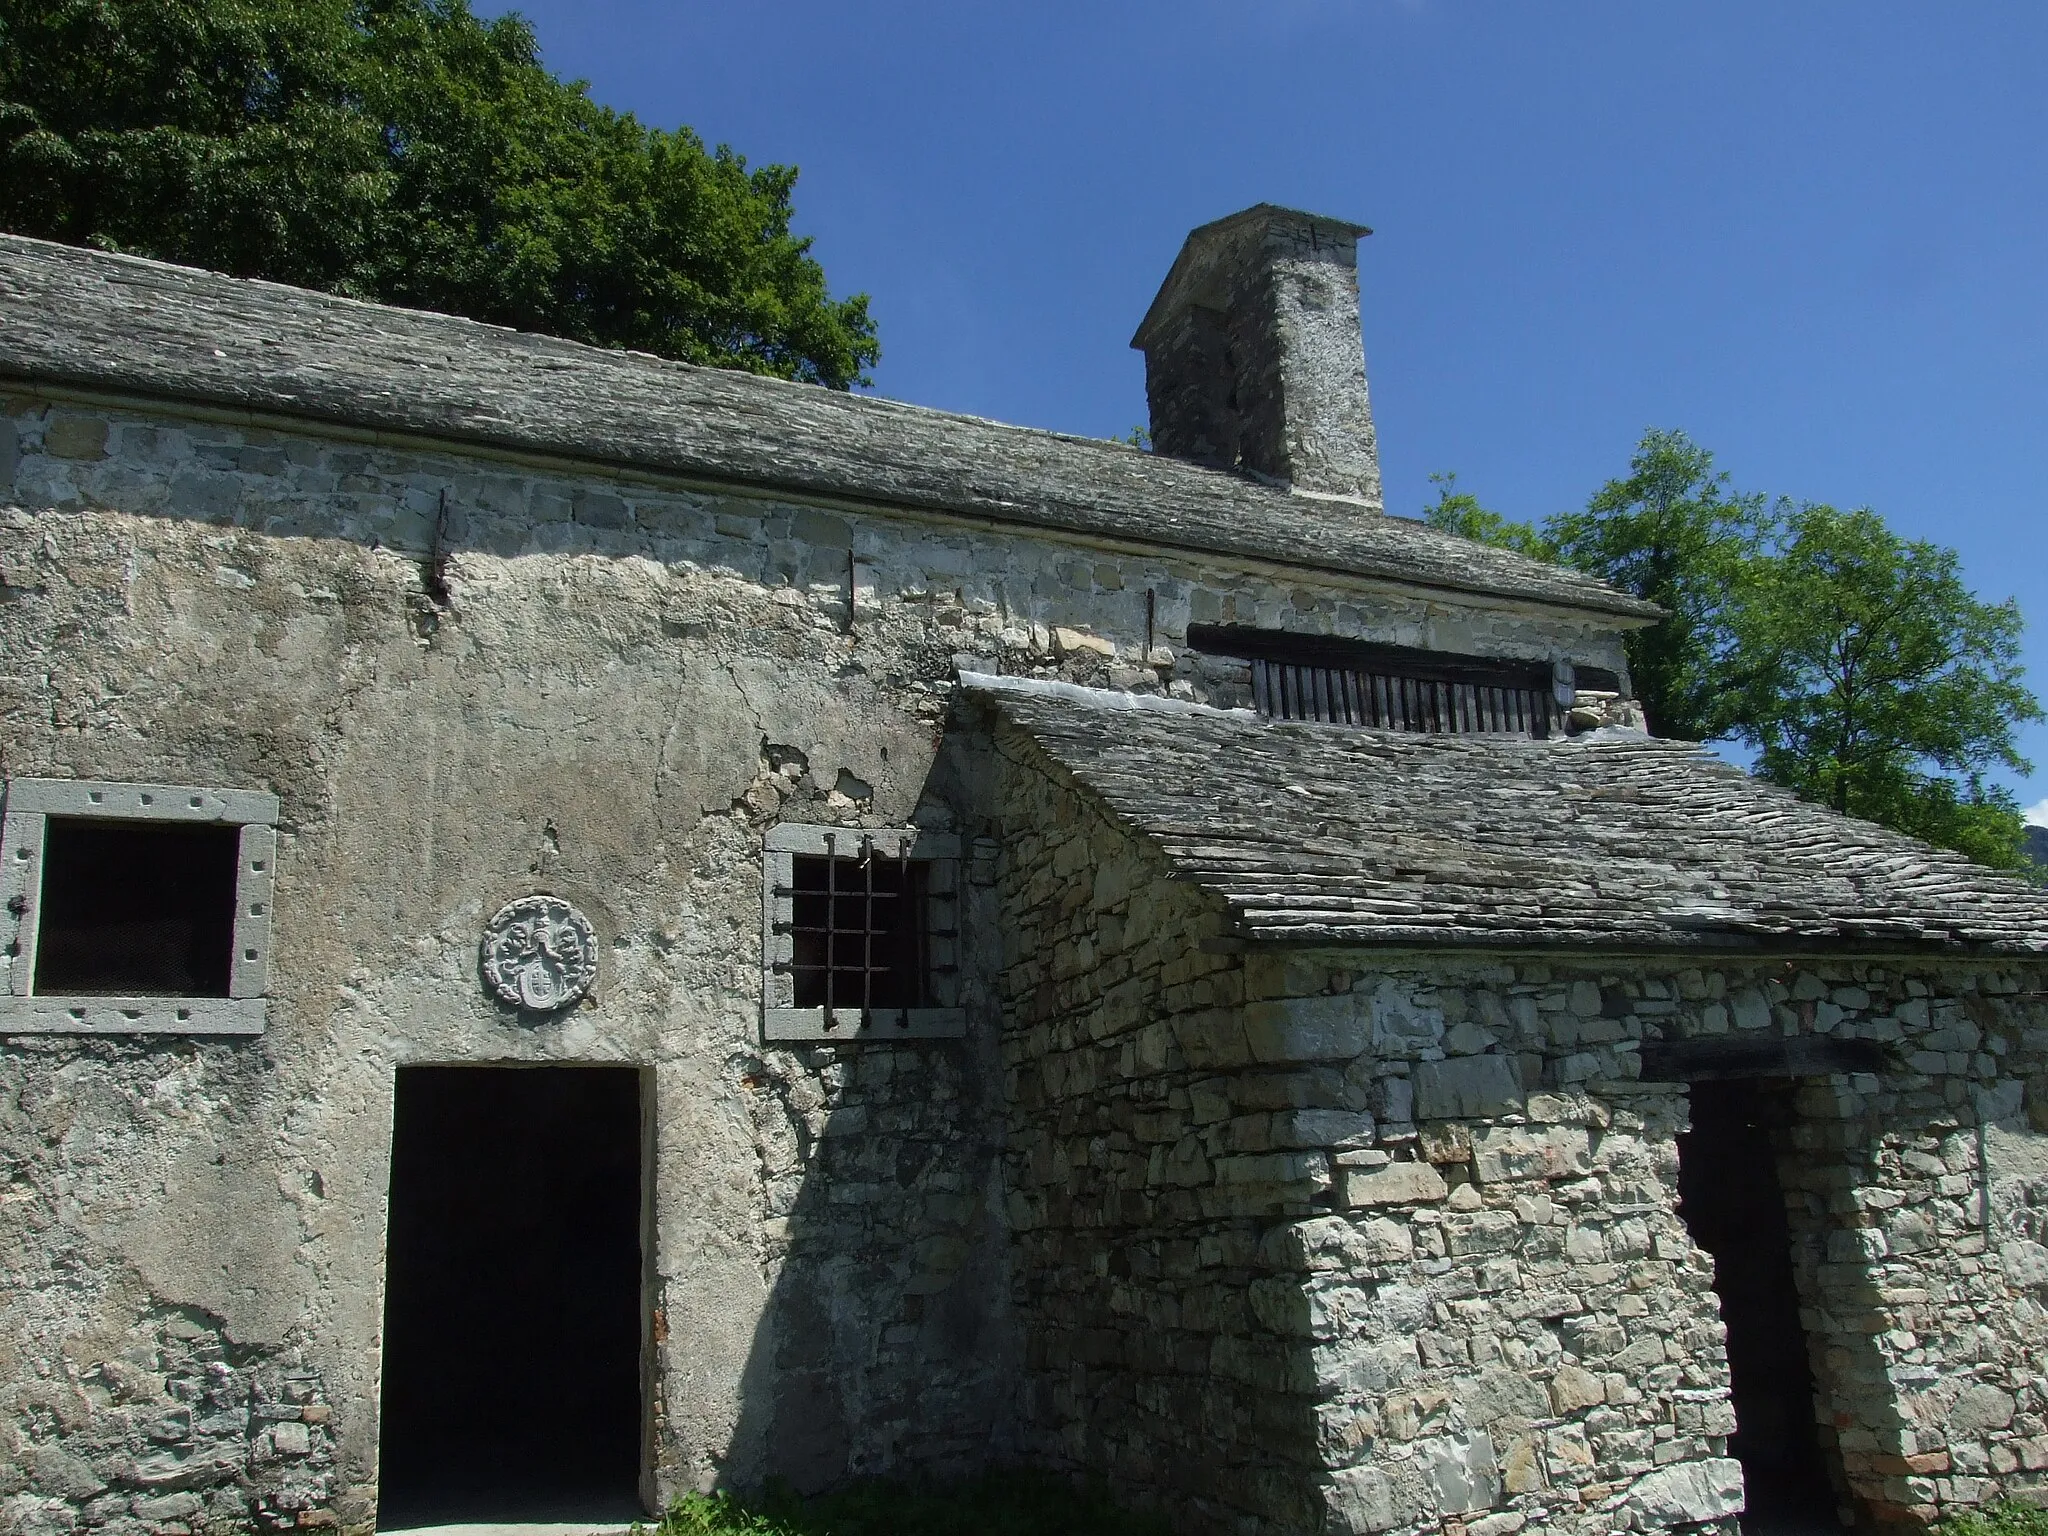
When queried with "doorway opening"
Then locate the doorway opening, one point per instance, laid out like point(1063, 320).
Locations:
point(1734, 1206)
point(513, 1297)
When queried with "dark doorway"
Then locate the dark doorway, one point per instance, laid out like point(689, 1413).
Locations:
point(512, 1313)
point(1734, 1207)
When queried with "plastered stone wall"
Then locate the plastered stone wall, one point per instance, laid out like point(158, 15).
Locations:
point(469, 678)
point(992, 592)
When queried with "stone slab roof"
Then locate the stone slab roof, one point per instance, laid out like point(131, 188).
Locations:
point(123, 325)
point(1336, 834)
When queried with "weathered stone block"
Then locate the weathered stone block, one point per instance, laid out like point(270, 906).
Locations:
point(1688, 1494)
point(1446, 1143)
point(1307, 1029)
point(1461, 1470)
point(1395, 1184)
point(1978, 1408)
point(1521, 1468)
point(75, 437)
point(1505, 1153)
point(1573, 1388)
point(1501, 1392)
point(1360, 1500)
point(1400, 1024)
point(1482, 1232)
point(1073, 642)
point(1322, 1128)
point(1467, 1088)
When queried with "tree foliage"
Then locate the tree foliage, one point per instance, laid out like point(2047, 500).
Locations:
point(1459, 512)
point(1872, 680)
point(410, 152)
point(1671, 532)
point(1855, 664)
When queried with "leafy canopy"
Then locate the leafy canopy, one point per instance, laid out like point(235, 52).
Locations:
point(1872, 680)
point(1854, 663)
point(1671, 532)
point(409, 152)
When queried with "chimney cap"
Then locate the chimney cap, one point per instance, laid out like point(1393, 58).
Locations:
point(1199, 252)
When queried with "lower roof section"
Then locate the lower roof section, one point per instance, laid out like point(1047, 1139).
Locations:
point(1343, 835)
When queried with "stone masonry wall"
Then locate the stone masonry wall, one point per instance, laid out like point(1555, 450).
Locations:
point(1510, 1323)
point(882, 1245)
point(1396, 1244)
point(1034, 604)
point(153, 1416)
point(1136, 1213)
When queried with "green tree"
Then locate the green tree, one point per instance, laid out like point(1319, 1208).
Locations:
point(409, 152)
point(1856, 664)
point(1671, 532)
point(1459, 512)
point(1869, 678)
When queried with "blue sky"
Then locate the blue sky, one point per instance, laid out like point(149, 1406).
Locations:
point(1814, 236)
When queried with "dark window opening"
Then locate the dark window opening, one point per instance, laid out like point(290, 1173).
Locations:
point(513, 1310)
point(1734, 1206)
point(1391, 687)
point(859, 938)
point(136, 908)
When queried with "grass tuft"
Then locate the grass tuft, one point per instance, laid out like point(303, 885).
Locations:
point(2006, 1519)
point(997, 1504)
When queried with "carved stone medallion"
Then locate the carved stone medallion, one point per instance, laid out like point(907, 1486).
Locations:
point(539, 954)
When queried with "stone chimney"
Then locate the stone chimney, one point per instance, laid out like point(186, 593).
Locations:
point(1253, 357)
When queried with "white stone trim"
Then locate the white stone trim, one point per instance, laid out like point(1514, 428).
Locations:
point(846, 842)
point(781, 1020)
point(29, 802)
point(846, 1028)
point(133, 1015)
point(139, 802)
point(255, 878)
point(21, 880)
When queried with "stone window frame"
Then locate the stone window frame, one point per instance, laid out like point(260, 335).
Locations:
point(781, 1020)
point(29, 803)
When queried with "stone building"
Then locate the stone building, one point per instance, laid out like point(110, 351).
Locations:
point(578, 928)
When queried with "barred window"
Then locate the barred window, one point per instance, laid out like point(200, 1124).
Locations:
point(860, 934)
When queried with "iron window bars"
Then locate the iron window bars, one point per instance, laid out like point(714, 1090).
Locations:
point(82, 819)
point(860, 934)
point(1397, 687)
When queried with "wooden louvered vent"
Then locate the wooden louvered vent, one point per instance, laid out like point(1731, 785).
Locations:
point(1349, 682)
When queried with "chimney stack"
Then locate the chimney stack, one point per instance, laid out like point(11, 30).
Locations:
point(1253, 356)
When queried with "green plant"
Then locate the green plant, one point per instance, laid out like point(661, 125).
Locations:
point(2004, 1519)
point(996, 1504)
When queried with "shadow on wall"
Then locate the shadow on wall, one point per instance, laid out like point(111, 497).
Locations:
point(886, 1346)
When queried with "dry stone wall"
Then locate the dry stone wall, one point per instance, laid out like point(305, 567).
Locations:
point(1337, 1242)
point(1513, 1324)
point(1136, 1214)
